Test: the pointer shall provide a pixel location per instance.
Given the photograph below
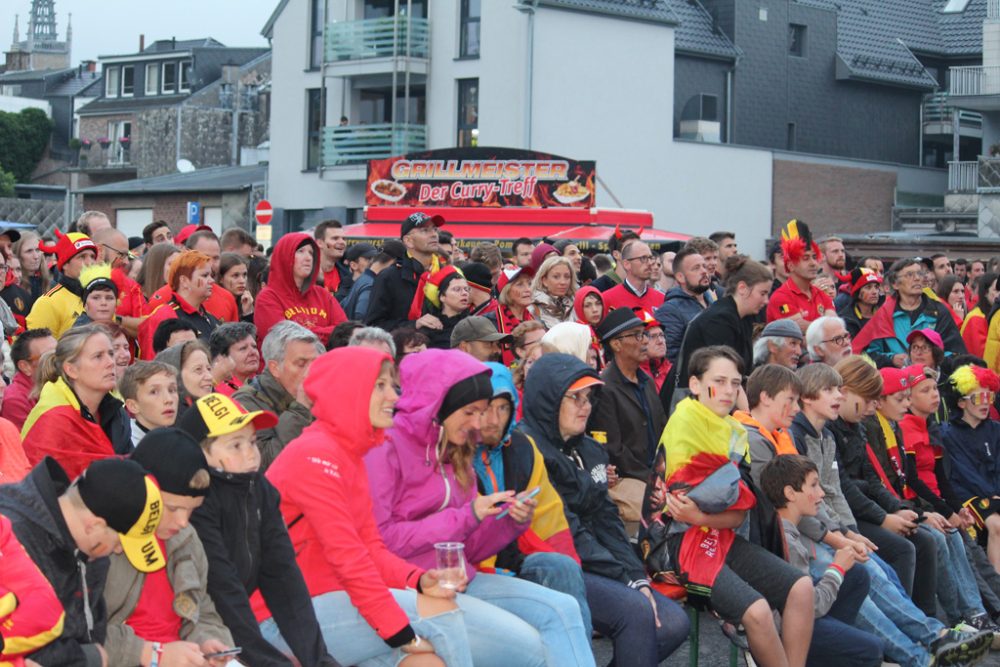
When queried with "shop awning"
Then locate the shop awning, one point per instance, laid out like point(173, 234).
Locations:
point(588, 228)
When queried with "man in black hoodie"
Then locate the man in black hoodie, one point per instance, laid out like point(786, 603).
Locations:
point(68, 530)
point(558, 398)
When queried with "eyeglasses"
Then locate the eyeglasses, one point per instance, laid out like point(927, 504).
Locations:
point(920, 347)
point(657, 336)
point(842, 339)
point(981, 398)
point(644, 259)
point(579, 398)
point(909, 275)
point(124, 255)
point(638, 336)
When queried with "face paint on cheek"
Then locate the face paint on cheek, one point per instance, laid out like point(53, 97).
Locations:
point(711, 392)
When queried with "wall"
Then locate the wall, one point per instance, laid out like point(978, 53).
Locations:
point(173, 207)
point(693, 76)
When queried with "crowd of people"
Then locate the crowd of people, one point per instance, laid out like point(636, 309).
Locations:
point(428, 453)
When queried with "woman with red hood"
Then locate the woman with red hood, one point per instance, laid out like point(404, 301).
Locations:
point(425, 493)
point(292, 292)
point(373, 607)
point(590, 309)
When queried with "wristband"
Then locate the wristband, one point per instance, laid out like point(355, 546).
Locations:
point(837, 568)
point(157, 653)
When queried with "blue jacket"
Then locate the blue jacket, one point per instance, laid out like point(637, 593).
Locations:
point(356, 303)
point(932, 315)
point(974, 454)
point(677, 311)
point(503, 385)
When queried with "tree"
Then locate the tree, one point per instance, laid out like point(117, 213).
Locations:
point(7, 182)
point(23, 138)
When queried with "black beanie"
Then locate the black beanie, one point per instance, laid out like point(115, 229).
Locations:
point(469, 390)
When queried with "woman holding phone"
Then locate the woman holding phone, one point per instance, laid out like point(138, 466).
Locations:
point(424, 493)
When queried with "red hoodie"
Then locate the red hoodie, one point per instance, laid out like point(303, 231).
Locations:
point(325, 499)
point(312, 306)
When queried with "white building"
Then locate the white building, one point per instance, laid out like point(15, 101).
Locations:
point(587, 79)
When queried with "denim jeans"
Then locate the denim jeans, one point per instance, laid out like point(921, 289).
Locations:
point(958, 592)
point(889, 614)
point(351, 641)
point(987, 578)
point(560, 573)
point(556, 617)
point(626, 616)
point(835, 642)
point(914, 559)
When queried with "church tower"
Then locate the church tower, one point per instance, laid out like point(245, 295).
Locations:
point(42, 48)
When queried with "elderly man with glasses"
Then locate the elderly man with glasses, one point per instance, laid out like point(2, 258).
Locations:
point(112, 248)
point(909, 308)
point(628, 417)
point(636, 290)
point(827, 340)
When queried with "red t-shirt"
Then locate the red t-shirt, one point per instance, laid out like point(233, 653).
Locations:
point(789, 301)
point(154, 618)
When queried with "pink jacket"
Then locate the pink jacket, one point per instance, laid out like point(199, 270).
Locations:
point(416, 499)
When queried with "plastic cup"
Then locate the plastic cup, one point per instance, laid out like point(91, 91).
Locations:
point(450, 564)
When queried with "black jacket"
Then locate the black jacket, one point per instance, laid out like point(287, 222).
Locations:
point(719, 324)
point(33, 508)
point(393, 294)
point(441, 338)
point(578, 470)
point(867, 497)
point(625, 424)
point(247, 545)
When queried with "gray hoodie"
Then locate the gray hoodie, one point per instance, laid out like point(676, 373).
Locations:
point(835, 513)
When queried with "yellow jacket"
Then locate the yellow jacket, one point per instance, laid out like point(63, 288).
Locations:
point(992, 352)
point(56, 310)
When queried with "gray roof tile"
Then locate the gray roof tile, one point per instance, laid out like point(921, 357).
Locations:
point(211, 179)
point(638, 10)
point(695, 33)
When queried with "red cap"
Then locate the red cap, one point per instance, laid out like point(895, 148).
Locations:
point(867, 278)
point(916, 373)
point(68, 246)
point(187, 231)
point(895, 380)
point(509, 275)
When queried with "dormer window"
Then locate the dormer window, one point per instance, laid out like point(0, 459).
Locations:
point(185, 76)
point(112, 77)
point(169, 78)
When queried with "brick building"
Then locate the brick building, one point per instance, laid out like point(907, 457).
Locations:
point(196, 100)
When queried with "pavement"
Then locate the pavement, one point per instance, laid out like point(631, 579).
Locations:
point(713, 650)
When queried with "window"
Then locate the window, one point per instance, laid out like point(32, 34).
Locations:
point(955, 6)
point(317, 16)
point(468, 112)
point(153, 79)
point(469, 27)
point(796, 40)
point(169, 78)
point(130, 221)
point(128, 81)
point(112, 76)
point(120, 133)
point(186, 76)
point(314, 127)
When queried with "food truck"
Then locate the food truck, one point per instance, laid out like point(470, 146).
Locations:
point(498, 195)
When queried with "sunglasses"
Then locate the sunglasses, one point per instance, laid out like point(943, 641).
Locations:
point(980, 398)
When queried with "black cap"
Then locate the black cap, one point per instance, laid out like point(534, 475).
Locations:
point(358, 250)
point(394, 248)
point(173, 458)
point(478, 275)
point(12, 234)
point(419, 219)
point(135, 242)
point(475, 388)
point(617, 322)
point(114, 490)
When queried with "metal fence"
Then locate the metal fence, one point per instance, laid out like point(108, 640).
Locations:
point(975, 80)
point(993, 9)
point(377, 38)
point(963, 176)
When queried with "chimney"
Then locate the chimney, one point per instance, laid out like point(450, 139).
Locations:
point(142, 43)
point(91, 65)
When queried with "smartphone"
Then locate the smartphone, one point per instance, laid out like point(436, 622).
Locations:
point(530, 494)
point(920, 519)
point(228, 653)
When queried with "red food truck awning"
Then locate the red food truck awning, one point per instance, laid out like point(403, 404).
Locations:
point(589, 228)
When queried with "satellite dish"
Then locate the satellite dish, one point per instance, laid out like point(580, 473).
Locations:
point(184, 166)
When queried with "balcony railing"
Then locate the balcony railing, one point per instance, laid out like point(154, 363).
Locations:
point(963, 177)
point(377, 38)
point(937, 109)
point(346, 144)
point(969, 81)
point(993, 9)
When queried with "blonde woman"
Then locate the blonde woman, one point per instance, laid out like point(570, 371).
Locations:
point(552, 292)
